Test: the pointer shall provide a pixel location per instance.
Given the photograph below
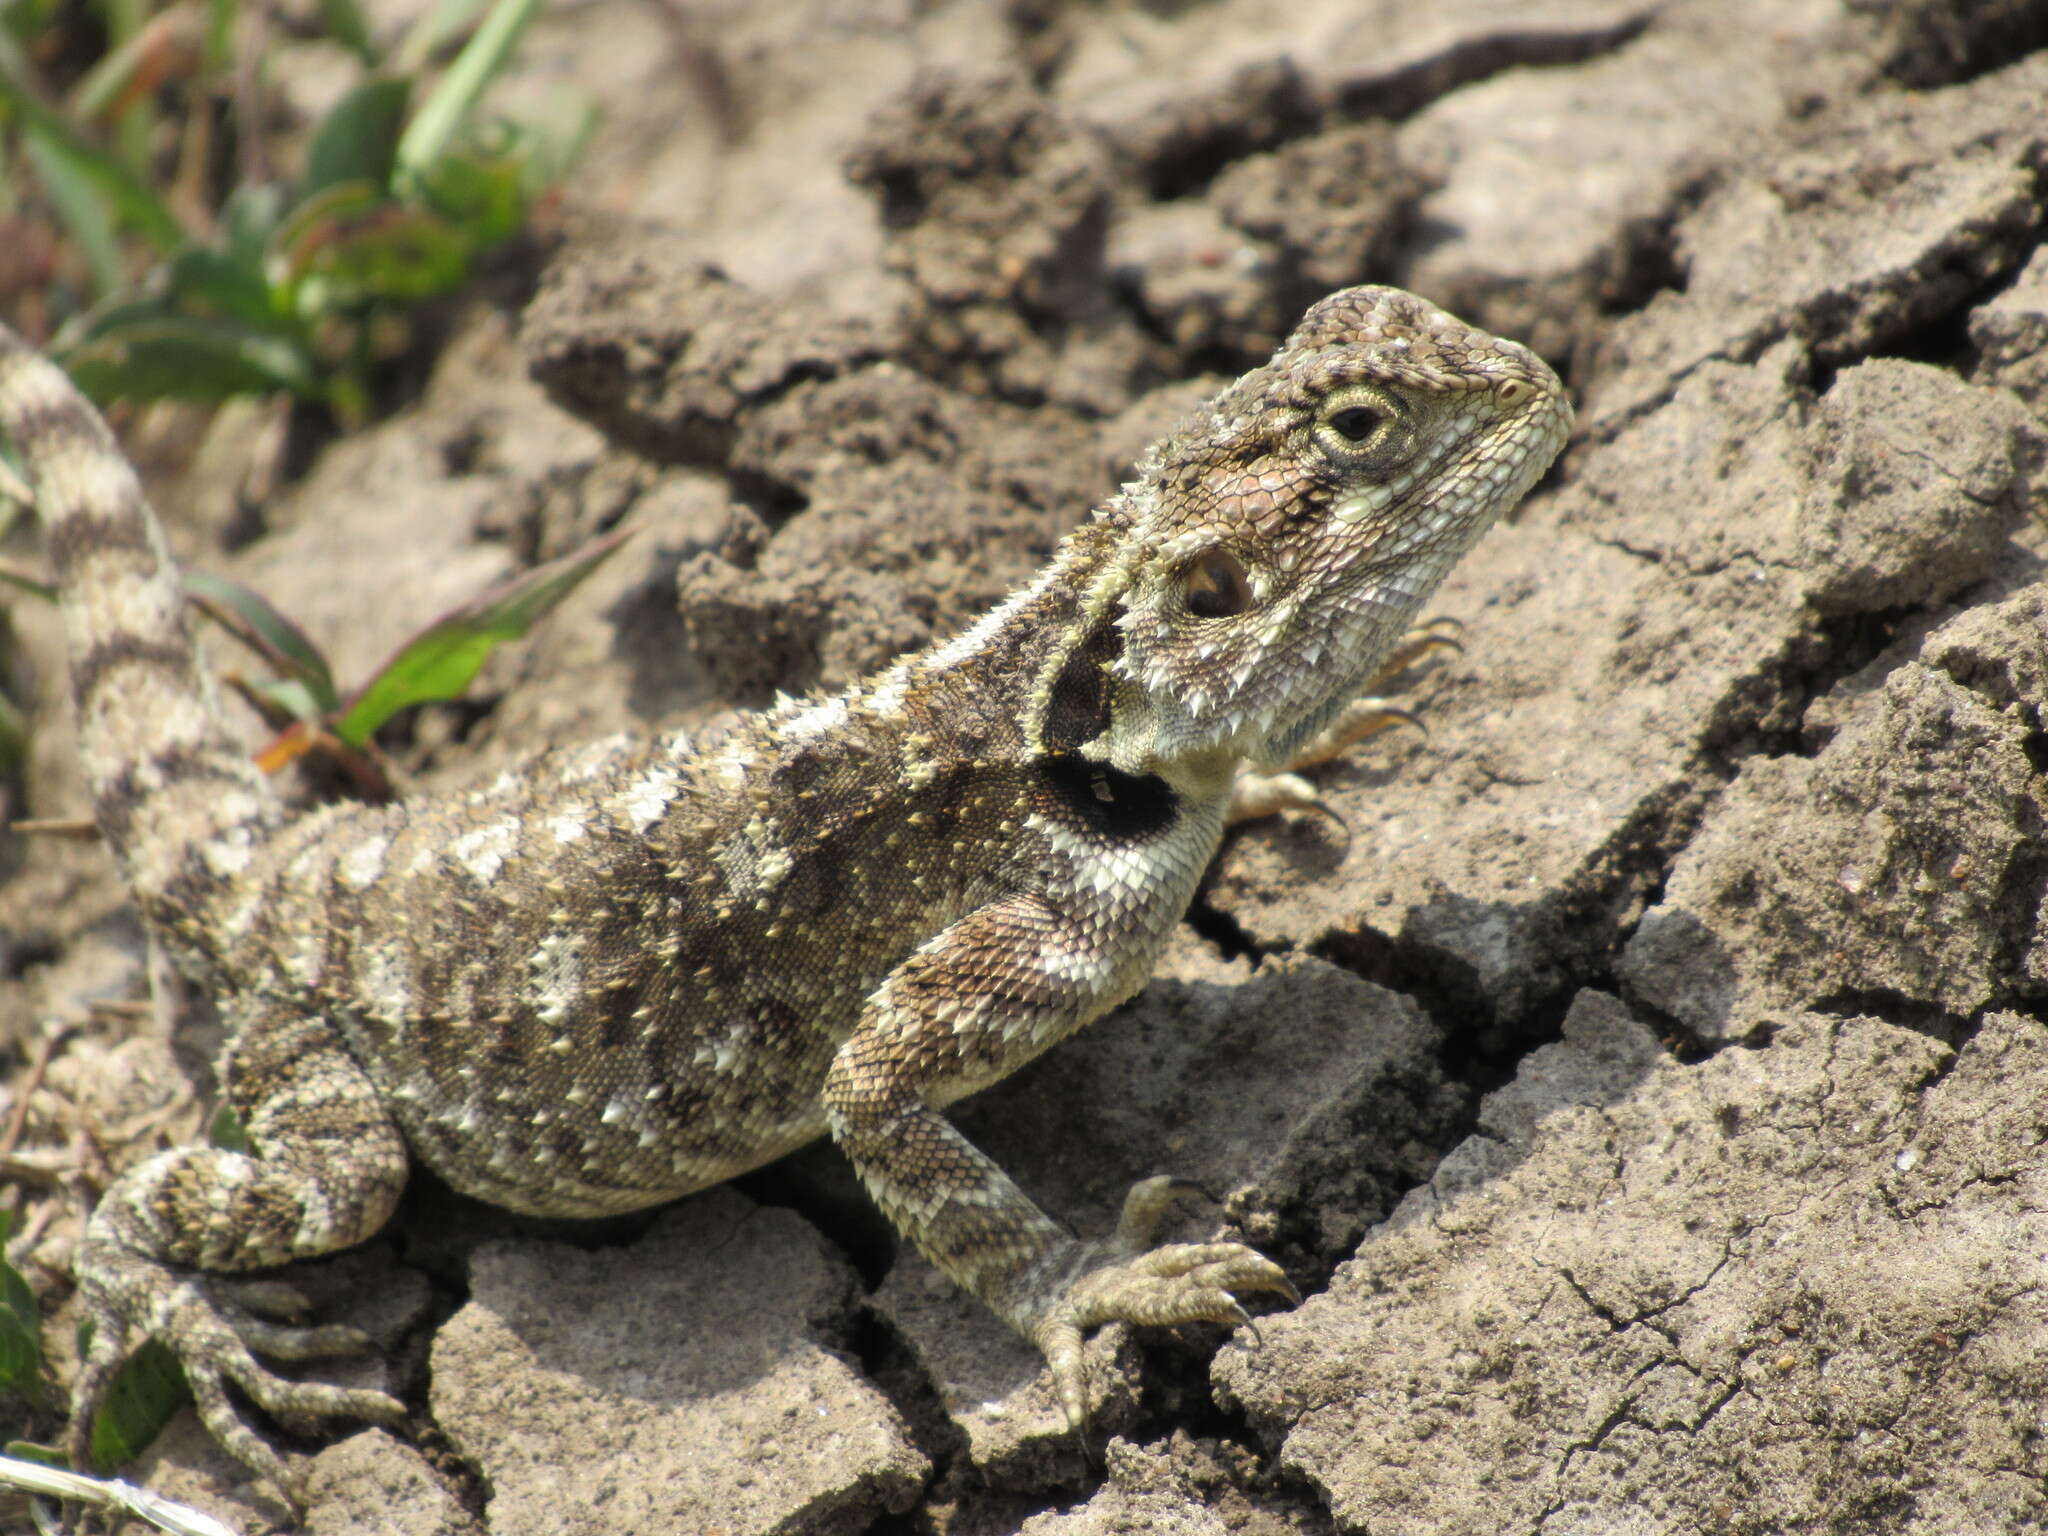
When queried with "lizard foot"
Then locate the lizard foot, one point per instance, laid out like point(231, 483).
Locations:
point(1157, 1287)
point(215, 1329)
point(1258, 794)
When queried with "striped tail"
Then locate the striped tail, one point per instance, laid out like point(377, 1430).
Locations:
point(176, 798)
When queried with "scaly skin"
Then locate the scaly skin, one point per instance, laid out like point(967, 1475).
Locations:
point(630, 971)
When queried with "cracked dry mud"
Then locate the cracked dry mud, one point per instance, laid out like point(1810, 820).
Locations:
point(1645, 1072)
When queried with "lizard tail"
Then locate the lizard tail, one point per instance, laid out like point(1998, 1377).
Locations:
point(177, 799)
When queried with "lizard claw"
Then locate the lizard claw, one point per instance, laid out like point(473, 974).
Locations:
point(1424, 640)
point(216, 1341)
point(1257, 795)
point(1176, 1283)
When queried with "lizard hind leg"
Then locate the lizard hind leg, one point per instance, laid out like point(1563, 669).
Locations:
point(161, 1250)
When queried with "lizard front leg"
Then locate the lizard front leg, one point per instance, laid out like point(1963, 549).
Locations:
point(328, 1170)
point(1259, 793)
point(968, 1007)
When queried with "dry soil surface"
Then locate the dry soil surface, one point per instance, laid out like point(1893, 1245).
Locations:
point(1644, 1073)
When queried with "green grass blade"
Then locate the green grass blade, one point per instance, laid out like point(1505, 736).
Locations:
point(221, 16)
point(292, 698)
point(129, 31)
point(443, 659)
point(21, 1352)
point(428, 34)
point(13, 749)
point(99, 88)
point(443, 113)
point(130, 196)
point(80, 209)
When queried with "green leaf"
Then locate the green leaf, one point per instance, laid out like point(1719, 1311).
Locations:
point(203, 281)
point(20, 1354)
point(345, 24)
point(248, 614)
point(358, 140)
point(349, 247)
point(109, 316)
point(226, 1131)
point(442, 660)
point(292, 698)
point(489, 184)
point(251, 214)
point(177, 357)
point(298, 234)
point(555, 146)
point(21, 1323)
point(146, 1392)
point(485, 198)
point(443, 113)
point(402, 255)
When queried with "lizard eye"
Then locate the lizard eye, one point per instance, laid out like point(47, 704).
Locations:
point(1357, 422)
point(1364, 428)
point(1216, 586)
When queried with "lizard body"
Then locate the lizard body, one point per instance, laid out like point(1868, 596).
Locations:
point(631, 970)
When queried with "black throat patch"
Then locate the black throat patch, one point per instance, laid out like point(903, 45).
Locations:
point(1120, 807)
point(1117, 807)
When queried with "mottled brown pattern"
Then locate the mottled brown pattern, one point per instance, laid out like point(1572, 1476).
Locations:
point(628, 971)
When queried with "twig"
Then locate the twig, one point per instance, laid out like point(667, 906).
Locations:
point(30, 1082)
point(16, 575)
point(121, 1008)
point(81, 829)
point(39, 1167)
point(110, 1493)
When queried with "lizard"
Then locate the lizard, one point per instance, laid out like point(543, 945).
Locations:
point(636, 968)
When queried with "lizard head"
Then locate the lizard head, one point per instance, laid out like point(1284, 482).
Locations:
point(1277, 546)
